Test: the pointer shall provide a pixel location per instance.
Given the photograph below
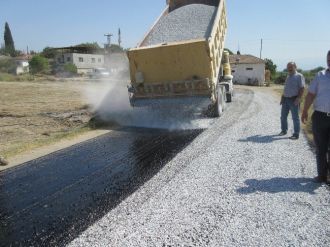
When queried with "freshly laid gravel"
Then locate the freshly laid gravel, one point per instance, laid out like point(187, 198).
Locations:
point(193, 21)
point(237, 184)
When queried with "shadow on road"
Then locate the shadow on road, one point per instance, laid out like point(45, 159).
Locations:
point(277, 185)
point(263, 139)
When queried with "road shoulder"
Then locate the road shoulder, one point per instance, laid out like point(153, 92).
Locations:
point(45, 150)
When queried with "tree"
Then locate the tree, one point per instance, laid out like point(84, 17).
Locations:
point(115, 48)
point(93, 45)
point(318, 69)
point(280, 77)
point(39, 64)
point(271, 67)
point(9, 42)
point(49, 52)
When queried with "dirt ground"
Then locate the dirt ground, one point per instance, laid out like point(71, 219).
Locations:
point(33, 114)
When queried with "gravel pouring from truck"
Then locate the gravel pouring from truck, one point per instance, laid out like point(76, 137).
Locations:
point(182, 57)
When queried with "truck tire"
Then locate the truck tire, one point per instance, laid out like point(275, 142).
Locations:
point(229, 97)
point(221, 102)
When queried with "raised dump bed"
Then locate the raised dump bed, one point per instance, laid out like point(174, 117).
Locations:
point(181, 56)
point(194, 21)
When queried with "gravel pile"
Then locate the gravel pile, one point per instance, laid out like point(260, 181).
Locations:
point(237, 184)
point(193, 21)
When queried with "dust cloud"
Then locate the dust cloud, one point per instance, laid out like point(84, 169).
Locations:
point(109, 100)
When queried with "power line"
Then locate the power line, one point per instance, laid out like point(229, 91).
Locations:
point(284, 40)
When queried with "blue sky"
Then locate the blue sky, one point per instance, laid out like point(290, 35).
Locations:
point(291, 29)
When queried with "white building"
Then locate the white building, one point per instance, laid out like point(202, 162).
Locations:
point(22, 67)
point(248, 69)
point(85, 63)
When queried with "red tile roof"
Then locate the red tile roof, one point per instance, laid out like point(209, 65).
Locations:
point(245, 59)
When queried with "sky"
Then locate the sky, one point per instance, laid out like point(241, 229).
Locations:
point(292, 30)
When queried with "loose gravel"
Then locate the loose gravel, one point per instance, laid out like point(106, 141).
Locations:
point(237, 184)
point(193, 21)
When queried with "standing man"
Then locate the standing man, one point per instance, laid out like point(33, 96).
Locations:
point(293, 92)
point(319, 91)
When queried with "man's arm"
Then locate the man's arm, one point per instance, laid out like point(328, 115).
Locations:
point(308, 102)
point(301, 90)
point(300, 95)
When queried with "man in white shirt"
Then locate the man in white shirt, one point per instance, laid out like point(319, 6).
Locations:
point(319, 93)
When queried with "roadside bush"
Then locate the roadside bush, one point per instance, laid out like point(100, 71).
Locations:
point(280, 78)
point(7, 65)
point(7, 77)
point(309, 76)
point(39, 64)
point(71, 68)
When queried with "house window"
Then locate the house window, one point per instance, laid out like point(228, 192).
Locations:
point(100, 60)
point(249, 68)
point(68, 59)
point(81, 59)
point(93, 60)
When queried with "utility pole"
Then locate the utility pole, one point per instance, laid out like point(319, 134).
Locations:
point(261, 46)
point(119, 37)
point(238, 49)
point(109, 35)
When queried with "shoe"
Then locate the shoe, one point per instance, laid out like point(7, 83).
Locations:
point(283, 133)
point(320, 179)
point(294, 137)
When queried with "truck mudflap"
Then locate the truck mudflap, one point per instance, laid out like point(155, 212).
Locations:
point(179, 89)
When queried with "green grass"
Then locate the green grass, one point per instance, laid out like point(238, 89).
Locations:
point(11, 78)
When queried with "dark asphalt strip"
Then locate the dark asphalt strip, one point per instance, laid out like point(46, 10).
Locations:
point(49, 201)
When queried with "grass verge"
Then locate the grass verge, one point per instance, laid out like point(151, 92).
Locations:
point(25, 147)
point(14, 78)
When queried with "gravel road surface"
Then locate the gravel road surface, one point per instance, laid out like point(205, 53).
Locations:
point(189, 22)
point(236, 184)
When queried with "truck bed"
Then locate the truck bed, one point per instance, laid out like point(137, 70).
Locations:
point(194, 21)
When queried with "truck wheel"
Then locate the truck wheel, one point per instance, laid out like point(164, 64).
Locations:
point(229, 97)
point(220, 103)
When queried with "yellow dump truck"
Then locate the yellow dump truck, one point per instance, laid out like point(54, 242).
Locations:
point(169, 67)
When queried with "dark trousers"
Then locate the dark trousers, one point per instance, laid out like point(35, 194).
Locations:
point(321, 132)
